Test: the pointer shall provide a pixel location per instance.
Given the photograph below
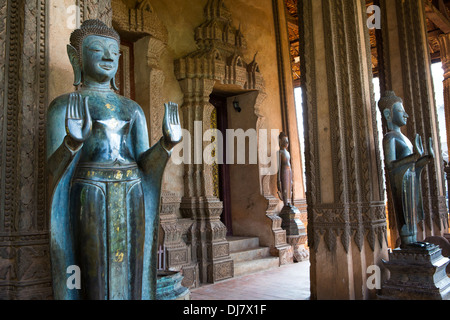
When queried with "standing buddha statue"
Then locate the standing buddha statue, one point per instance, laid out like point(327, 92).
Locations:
point(104, 179)
point(404, 164)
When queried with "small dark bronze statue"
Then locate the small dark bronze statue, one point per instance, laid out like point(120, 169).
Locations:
point(295, 229)
point(284, 178)
point(404, 164)
point(104, 179)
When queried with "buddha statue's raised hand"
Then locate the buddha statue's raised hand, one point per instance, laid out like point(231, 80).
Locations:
point(78, 120)
point(172, 134)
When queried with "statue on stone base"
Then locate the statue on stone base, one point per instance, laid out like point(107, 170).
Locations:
point(417, 269)
point(284, 177)
point(295, 229)
point(104, 179)
point(404, 163)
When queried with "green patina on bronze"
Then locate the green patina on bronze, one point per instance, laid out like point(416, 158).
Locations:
point(104, 179)
point(404, 164)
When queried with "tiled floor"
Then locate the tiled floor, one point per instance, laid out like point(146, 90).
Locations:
point(288, 282)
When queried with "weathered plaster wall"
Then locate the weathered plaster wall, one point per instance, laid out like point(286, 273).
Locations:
point(257, 25)
point(256, 22)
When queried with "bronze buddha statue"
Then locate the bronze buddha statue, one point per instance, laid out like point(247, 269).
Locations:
point(404, 164)
point(104, 179)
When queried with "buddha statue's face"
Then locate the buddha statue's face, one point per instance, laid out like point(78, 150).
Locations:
point(399, 115)
point(100, 58)
point(284, 142)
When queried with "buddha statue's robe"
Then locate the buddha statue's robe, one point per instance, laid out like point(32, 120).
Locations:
point(104, 201)
point(405, 185)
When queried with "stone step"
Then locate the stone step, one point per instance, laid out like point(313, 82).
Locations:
point(242, 243)
point(252, 266)
point(249, 257)
point(250, 254)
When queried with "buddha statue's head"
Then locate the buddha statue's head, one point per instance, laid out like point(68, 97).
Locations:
point(393, 110)
point(284, 140)
point(94, 53)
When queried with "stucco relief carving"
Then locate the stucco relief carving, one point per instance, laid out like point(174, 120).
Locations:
point(96, 9)
point(173, 233)
point(357, 211)
point(219, 59)
point(140, 23)
point(140, 19)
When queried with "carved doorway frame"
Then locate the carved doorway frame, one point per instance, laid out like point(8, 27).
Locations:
point(218, 65)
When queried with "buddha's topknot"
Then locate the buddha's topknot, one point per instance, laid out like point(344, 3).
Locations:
point(91, 28)
point(388, 100)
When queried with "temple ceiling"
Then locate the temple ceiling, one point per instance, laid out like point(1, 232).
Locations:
point(438, 22)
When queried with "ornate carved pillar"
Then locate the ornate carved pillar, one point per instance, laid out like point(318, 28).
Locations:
point(346, 211)
point(406, 70)
point(210, 247)
point(24, 253)
point(444, 42)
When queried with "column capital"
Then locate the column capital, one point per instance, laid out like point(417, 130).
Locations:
point(444, 43)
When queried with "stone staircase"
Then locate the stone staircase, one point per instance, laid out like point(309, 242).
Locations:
point(249, 257)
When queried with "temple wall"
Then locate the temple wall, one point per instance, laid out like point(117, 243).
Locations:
point(181, 18)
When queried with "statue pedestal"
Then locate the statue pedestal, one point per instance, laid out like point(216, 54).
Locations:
point(169, 286)
point(295, 232)
point(416, 274)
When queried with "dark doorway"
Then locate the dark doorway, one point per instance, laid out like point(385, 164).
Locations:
point(125, 72)
point(220, 103)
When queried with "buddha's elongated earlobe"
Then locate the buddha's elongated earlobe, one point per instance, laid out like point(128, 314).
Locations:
point(388, 116)
point(76, 64)
point(113, 84)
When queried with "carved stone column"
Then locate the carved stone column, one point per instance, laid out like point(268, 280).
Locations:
point(24, 251)
point(345, 191)
point(444, 42)
point(176, 252)
point(406, 71)
point(149, 84)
